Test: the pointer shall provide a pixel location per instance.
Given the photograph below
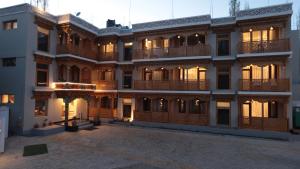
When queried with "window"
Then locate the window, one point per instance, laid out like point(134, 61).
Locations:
point(41, 107)
point(9, 25)
point(260, 72)
point(7, 99)
point(223, 45)
point(181, 104)
point(9, 62)
point(106, 75)
point(197, 106)
point(105, 102)
point(128, 50)
point(163, 105)
point(192, 74)
point(146, 104)
point(42, 75)
point(74, 74)
point(260, 35)
point(127, 80)
point(43, 39)
point(267, 109)
point(223, 75)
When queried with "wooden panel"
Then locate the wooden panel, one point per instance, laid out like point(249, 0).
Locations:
point(107, 85)
point(282, 45)
point(171, 85)
point(278, 85)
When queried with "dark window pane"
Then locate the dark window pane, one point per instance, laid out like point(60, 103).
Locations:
point(146, 104)
point(43, 42)
point(128, 53)
point(223, 81)
point(9, 62)
point(223, 47)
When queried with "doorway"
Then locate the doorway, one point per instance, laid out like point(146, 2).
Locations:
point(126, 111)
point(223, 113)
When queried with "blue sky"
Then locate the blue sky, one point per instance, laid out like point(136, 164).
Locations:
point(98, 11)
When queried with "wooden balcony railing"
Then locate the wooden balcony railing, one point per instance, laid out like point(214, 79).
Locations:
point(281, 45)
point(171, 85)
point(273, 85)
point(198, 50)
point(78, 51)
point(108, 56)
point(272, 124)
point(107, 85)
point(72, 86)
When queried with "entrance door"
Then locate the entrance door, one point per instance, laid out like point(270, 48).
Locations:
point(126, 111)
point(223, 113)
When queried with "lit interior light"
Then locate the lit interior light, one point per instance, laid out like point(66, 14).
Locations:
point(250, 30)
point(53, 85)
point(146, 69)
point(98, 44)
point(179, 67)
point(110, 43)
point(162, 68)
point(178, 37)
point(271, 28)
point(196, 35)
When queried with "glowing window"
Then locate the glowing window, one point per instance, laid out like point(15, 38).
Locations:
point(223, 104)
point(246, 37)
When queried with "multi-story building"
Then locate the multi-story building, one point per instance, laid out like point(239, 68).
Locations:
point(224, 72)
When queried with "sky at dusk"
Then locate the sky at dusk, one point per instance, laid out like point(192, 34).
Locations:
point(98, 11)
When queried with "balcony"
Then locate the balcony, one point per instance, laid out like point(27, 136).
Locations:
point(78, 51)
point(171, 85)
point(281, 45)
point(107, 85)
point(73, 86)
point(198, 50)
point(108, 56)
point(272, 85)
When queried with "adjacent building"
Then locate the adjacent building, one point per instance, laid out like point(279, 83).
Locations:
point(233, 72)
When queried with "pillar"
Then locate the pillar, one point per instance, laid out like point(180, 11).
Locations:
point(67, 102)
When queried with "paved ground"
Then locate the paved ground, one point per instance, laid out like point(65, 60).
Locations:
point(115, 147)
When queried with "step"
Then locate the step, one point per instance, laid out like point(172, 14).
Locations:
point(85, 126)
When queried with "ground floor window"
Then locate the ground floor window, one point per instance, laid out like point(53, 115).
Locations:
point(266, 109)
point(146, 104)
point(181, 104)
point(197, 106)
point(7, 99)
point(41, 107)
point(163, 105)
point(105, 102)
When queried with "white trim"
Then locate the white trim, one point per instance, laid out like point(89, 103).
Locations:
point(125, 63)
point(44, 54)
point(76, 57)
point(106, 91)
point(106, 62)
point(77, 24)
point(265, 93)
point(264, 15)
point(217, 58)
point(172, 59)
point(43, 89)
point(169, 26)
point(264, 54)
point(165, 91)
point(223, 92)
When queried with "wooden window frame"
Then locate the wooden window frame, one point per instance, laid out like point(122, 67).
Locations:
point(217, 42)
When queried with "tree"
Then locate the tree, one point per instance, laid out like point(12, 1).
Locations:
point(234, 7)
point(246, 5)
point(298, 20)
point(43, 4)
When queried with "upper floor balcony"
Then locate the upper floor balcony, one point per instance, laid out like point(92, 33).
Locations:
point(108, 56)
point(107, 85)
point(267, 46)
point(271, 85)
point(73, 86)
point(197, 50)
point(76, 50)
point(171, 85)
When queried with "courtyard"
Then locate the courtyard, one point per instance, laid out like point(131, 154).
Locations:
point(120, 147)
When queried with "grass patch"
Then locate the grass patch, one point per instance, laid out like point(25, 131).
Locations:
point(37, 149)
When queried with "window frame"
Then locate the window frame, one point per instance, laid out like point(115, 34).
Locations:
point(223, 38)
point(43, 71)
point(10, 60)
point(10, 25)
point(35, 106)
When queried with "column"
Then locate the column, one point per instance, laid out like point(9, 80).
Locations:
point(67, 102)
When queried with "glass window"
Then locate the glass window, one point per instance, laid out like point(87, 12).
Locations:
point(197, 106)
point(223, 44)
point(9, 62)
point(42, 75)
point(9, 25)
point(109, 48)
point(163, 105)
point(246, 37)
point(223, 78)
point(127, 80)
point(7, 99)
point(181, 105)
point(128, 51)
point(41, 107)
point(105, 102)
point(256, 36)
point(146, 104)
point(43, 39)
